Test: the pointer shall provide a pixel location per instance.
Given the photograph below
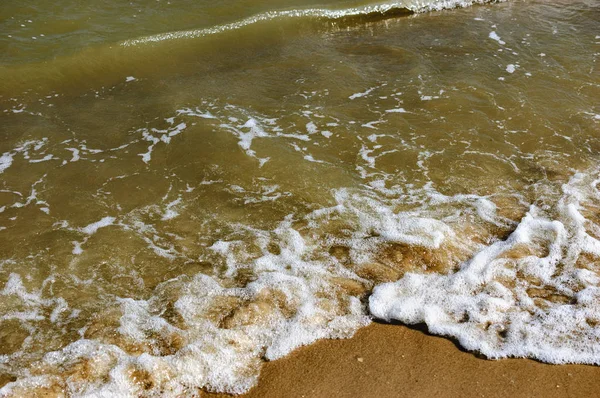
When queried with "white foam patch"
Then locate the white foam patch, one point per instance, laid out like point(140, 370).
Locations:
point(255, 126)
point(77, 249)
point(33, 306)
point(371, 125)
point(490, 305)
point(197, 112)
point(156, 136)
point(253, 130)
point(44, 159)
point(311, 128)
point(310, 158)
point(95, 226)
point(225, 359)
point(494, 36)
point(76, 154)
point(170, 212)
point(5, 161)
point(364, 93)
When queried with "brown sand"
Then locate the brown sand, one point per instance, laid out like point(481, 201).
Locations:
point(384, 360)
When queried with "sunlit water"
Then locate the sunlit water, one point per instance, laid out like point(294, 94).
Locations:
point(189, 189)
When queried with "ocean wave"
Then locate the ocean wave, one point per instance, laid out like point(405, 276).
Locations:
point(502, 297)
point(343, 16)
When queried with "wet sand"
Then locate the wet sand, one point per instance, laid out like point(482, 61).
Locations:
point(384, 360)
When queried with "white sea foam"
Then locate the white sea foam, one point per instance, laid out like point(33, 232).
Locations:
point(170, 211)
point(254, 130)
point(5, 161)
point(294, 297)
point(77, 249)
point(220, 358)
point(95, 226)
point(155, 136)
point(190, 112)
point(255, 126)
point(494, 36)
point(76, 155)
point(44, 159)
point(311, 128)
point(366, 92)
point(541, 306)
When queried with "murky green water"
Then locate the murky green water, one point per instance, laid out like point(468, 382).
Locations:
point(190, 188)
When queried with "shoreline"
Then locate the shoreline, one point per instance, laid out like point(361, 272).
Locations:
point(393, 360)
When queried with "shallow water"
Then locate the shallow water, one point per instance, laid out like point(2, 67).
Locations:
point(188, 189)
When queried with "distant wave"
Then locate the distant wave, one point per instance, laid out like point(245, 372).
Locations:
point(348, 15)
point(107, 61)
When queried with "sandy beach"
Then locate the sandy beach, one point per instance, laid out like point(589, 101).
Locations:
point(384, 360)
